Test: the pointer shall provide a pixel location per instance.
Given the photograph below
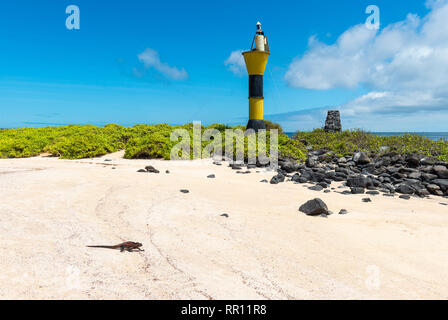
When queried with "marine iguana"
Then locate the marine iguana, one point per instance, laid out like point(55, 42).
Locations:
point(128, 245)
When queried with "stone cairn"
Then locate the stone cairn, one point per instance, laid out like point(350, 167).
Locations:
point(333, 121)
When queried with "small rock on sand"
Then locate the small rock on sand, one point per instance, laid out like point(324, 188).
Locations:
point(314, 207)
point(151, 169)
point(316, 188)
point(211, 176)
point(184, 191)
point(366, 200)
point(357, 190)
point(343, 211)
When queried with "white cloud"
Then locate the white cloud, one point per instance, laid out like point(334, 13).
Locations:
point(235, 63)
point(405, 65)
point(150, 59)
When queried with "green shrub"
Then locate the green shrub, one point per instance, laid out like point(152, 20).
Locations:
point(272, 125)
point(153, 141)
point(349, 141)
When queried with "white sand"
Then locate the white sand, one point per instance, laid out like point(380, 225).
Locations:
point(50, 209)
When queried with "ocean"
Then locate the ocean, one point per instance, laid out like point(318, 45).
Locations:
point(431, 135)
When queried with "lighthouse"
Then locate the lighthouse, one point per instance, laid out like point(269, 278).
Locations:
point(256, 60)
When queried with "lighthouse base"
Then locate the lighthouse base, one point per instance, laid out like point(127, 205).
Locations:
point(256, 125)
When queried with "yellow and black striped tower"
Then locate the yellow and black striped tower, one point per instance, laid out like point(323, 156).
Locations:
point(256, 60)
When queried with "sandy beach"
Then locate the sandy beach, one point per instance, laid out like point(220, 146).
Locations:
point(51, 209)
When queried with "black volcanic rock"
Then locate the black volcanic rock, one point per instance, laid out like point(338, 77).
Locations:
point(428, 161)
point(441, 172)
point(151, 169)
point(357, 190)
point(442, 183)
point(290, 166)
point(413, 160)
point(361, 158)
point(404, 189)
point(311, 161)
point(277, 179)
point(357, 181)
point(314, 207)
point(316, 188)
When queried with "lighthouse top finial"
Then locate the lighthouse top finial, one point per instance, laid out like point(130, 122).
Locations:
point(259, 31)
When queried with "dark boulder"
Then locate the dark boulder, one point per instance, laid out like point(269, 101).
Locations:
point(357, 181)
point(316, 188)
point(277, 179)
point(428, 161)
point(413, 160)
point(290, 166)
point(442, 183)
point(311, 162)
point(357, 190)
point(441, 172)
point(421, 192)
point(314, 207)
point(404, 189)
point(414, 175)
point(428, 176)
point(151, 169)
point(432, 188)
point(318, 177)
point(361, 158)
point(295, 177)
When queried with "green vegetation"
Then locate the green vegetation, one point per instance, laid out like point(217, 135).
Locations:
point(349, 141)
point(272, 125)
point(153, 141)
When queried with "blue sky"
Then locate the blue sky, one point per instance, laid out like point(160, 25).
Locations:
point(100, 73)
